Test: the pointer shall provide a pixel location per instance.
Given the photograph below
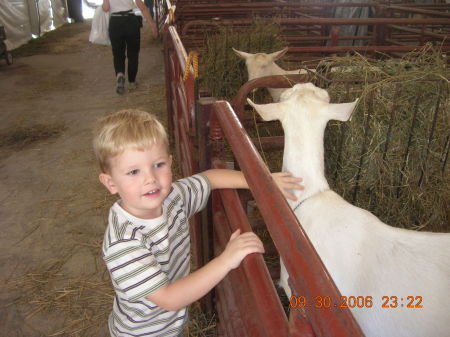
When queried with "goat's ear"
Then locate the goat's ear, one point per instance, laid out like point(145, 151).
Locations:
point(278, 54)
point(268, 112)
point(242, 54)
point(341, 111)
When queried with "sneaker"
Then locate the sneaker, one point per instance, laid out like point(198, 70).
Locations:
point(132, 85)
point(120, 85)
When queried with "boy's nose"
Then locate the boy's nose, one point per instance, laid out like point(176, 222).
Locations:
point(150, 179)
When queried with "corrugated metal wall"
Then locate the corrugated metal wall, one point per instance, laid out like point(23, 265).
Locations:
point(24, 18)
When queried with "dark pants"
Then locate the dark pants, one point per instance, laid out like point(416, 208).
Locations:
point(125, 35)
point(75, 9)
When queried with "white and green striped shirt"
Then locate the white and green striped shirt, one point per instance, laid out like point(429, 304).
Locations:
point(143, 255)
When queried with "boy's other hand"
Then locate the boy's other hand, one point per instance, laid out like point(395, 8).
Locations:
point(285, 181)
point(239, 246)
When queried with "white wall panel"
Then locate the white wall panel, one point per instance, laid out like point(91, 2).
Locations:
point(14, 17)
point(24, 18)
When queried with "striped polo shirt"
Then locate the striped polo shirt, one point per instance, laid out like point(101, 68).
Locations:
point(143, 255)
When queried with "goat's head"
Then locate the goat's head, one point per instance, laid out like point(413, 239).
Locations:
point(260, 64)
point(304, 107)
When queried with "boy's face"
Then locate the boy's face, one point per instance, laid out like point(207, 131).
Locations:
point(143, 179)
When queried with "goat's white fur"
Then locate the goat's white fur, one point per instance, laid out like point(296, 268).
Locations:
point(262, 64)
point(364, 256)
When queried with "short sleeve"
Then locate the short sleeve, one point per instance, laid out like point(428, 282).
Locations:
point(134, 271)
point(195, 192)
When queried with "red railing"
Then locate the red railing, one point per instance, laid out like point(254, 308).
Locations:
point(180, 99)
point(246, 299)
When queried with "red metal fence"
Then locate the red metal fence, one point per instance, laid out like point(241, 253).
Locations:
point(389, 28)
point(246, 300)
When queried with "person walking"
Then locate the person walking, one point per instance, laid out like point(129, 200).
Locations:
point(125, 36)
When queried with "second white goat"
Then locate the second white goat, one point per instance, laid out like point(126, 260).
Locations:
point(262, 64)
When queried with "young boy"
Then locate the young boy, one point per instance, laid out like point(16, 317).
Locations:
point(146, 245)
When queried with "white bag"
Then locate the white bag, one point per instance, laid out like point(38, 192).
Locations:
point(99, 28)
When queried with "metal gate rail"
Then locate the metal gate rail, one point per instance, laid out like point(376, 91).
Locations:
point(180, 100)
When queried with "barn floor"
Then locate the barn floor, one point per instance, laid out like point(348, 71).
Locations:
point(53, 209)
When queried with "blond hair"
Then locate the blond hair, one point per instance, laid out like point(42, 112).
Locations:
point(126, 129)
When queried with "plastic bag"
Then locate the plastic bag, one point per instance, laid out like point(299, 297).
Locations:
point(99, 28)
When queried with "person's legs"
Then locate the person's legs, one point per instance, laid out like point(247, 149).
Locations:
point(133, 47)
point(118, 46)
point(118, 43)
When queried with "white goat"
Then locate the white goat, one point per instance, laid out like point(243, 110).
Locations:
point(364, 256)
point(262, 64)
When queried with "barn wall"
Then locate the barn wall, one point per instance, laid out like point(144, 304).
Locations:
point(24, 18)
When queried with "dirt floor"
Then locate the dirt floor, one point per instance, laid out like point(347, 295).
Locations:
point(53, 209)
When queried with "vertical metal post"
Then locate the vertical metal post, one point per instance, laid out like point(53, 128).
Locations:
point(205, 245)
point(167, 42)
point(334, 35)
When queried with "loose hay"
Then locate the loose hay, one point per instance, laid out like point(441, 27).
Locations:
point(74, 36)
point(76, 305)
point(23, 136)
point(200, 324)
point(85, 302)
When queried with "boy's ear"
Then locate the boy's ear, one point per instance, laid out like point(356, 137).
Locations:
point(107, 180)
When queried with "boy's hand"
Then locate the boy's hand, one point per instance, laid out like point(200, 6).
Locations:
point(285, 181)
point(239, 246)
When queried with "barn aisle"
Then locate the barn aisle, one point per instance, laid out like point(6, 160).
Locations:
point(53, 209)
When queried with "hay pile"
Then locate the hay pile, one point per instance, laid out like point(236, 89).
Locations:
point(85, 302)
point(392, 157)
